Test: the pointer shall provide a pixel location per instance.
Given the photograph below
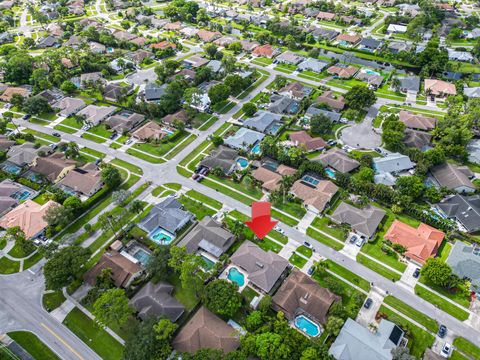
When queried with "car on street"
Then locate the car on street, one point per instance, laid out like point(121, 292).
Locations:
point(332, 142)
point(279, 229)
point(446, 350)
point(26, 116)
point(368, 303)
point(128, 142)
point(307, 244)
point(416, 273)
point(98, 161)
point(7, 106)
point(442, 331)
point(113, 136)
point(56, 134)
point(53, 146)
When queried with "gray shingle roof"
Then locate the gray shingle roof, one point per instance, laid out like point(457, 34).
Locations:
point(244, 139)
point(465, 209)
point(464, 260)
point(263, 121)
point(168, 215)
point(394, 162)
point(453, 177)
point(364, 220)
point(312, 110)
point(222, 157)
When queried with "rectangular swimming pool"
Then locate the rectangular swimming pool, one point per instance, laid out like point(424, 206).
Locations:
point(142, 256)
point(307, 326)
point(311, 180)
point(22, 195)
point(162, 236)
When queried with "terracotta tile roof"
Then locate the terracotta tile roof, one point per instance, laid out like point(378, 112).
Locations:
point(322, 15)
point(163, 45)
point(9, 92)
point(208, 36)
point(421, 243)
point(439, 87)
point(264, 50)
point(304, 139)
point(270, 180)
point(417, 121)
point(343, 72)
point(352, 39)
point(150, 130)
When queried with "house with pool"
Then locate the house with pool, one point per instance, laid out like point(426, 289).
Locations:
point(261, 270)
point(304, 303)
point(12, 193)
point(265, 122)
point(223, 158)
point(22, 156)
point(165, 220)
point(315, 193)
point(336, 159)
point(245, 139)
point(209, 240)
point(271, 178)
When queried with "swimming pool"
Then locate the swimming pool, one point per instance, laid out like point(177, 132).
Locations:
point(142, 256)
point(242, 163)
point(12, 169)
point(209, 264)
point(274, 128)
point(311, 180)
point(21, 196)
point(343, 43)
point(256, 149)
point(236, 276)
point(330, 173)
point(161, 236)
point(370, 72)
point(307, 326)
point(168, 131)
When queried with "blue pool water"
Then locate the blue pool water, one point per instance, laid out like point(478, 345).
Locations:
point(307, 326)
point(208, 263)
point(236, 276)
point(242, 162)
point(110, 49)
point(274, 128)
point(330, 173)
point(161, 236)
point(24, 195)
point(370, 72)
point(142, 256)
point(168, 131)
point(256, 149)
point(343, 43)
point(311, 180)
point(12, 169)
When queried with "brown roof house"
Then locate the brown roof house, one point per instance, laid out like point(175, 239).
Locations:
point(302, 138)
point(363, 221)
point(53, 167)
point(417, 139)
point(344, 72)
point(157, 300)
point(28, 216)
point(85, 181)
point(439, 88)
point(417, 121)
point(6, 143)
point(322, 15)
point(350, 39)
point(69, 106)
point(124, 271)
point(271, 180)
point(335, 103)
point(315, 197)
point(205, 330)
point(9, 191)
point(124, 121)
point(151, 130)
point(265, 270)
point(180, 115)
point(338, 160)
point(454, 177)
point(266, 50)
point(9, 92)
point(300, 295)
point(208, 36)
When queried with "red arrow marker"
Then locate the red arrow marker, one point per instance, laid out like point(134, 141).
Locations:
point(261, 223)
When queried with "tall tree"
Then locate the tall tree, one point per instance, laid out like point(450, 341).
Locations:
point(112, 308)
point(222, 297)
point(63, 266)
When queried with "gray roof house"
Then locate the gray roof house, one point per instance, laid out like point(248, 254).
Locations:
point(364, 221)
point(167, 215)
point(244, 139)
point(392, 163)
point(94, 114)
point(124, 120)
point(332, 115)
point(473, 149)
point(222, 157)
point(472, 92)
point(24, 154)
point(464, 209)
point(69, 106)
point(409, 83)
point(208, 236)
point(338, 160)
point(265, 270)
point(283, 105)
point(356, 342)
point(154, 92)
point(8, 195)
point(265, 122)
point(157, 300)
point(464, 259)
point(453, 177)
point(369, 44)
point(311, 64)
point(417, 139)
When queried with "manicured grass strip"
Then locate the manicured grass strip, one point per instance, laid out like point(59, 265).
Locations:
point(173, 186)
point(457, 356)
point(32, 260)
point(94, 336)
point(467, 347)
point(413, 314)
point(382, 270)
point(196, 207)
point(324, 239)
point(44, 136)
point(202, 147)
point(284, 218)
point(267, 244)
point(65, 129)
point(277, 236)
point(8, 266)
point(458, 297)
point(53, 300)
point(444, 305)
point(204, 199)
point(145, 157)
point(181, 146)
point(93, 138)
point(233, 194)
point(33, 345)
point(94, 153)
point(305, 251)
point(298, 261)
point(18, 253)
point(322, 223)
point(348, 275)
point(133, 168)
point(418, 340)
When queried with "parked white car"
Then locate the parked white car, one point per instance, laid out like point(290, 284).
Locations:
point(446, 350)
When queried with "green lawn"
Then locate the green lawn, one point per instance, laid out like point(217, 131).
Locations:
point(298, 261)
point(101, 130)
point(185, 296)
point(33, 345)
point(18, 253)
point(457, 356)
point(324, 239)
point(70, 121)
point(441, 303)
point(278, 237)
point(327, 226)
point(267, 245)
point(180, 146)
point(133, 168)
point(412, 313)
point(8, 266)
point(38, 134)
point(467, 347)
point(418, 340)
point(173, 186)
point(196, 207)
point(32, 260)
point(248, 293)
point(305, 251)
point(163, 147)
point(348, 275)
point(53, 300)
point(41, 199)
point(92, 335)
point(93, 138)
point(373, 265)
point(146, 157)
point(94, 153)
point(457, 297)
point(204, 199)
point(286, 219)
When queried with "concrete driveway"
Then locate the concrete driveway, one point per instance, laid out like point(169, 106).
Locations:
point(362, 136)
point(367, 316)
point(407, 278)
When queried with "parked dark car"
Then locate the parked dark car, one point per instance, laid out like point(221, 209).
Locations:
point(26, 116)
point(442, 331)
point(113, 136)
point(368, 303)
point(56, 134)
point(416, 273)
point(195, 176)
point(311, 270)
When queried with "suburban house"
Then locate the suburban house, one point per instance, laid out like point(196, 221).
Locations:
point(374, 81)
point(454, 177)
point(124, 270)
point(347, 39)
point(417, 139)
point(28, 216)
point(392, 163)
point(301, 295)
point(355, 342)
point(195, 62)
point(94, 114)
point(464, 259)
point(271, 179)
point(124, 121)
point(329, 99)
point(370, 44)
point(396, 29)
point(244, 139)
point(471, 92)
point(208, 36)
point(221, 157)
point(265, 122)
point(338, 160)
point(313, 110)
point(157, 300)
point(209, 237)
point(289, 58)
point(25, 154)
point(248, 45)
point(324, 34)
point(295, 90)
point(6, 143)
point(153, 92)
point(205, 330)
point(417, 121)
point(409, 84)
point(322, 15)
point(464, 209)
point(280, 104)
point(313, 65)
point(363, 221)
point(266, 50)
point(439, 88)
point(315, 197)
point(421, 243)
point(84, 181)
point(180, 115)
point(151, 130)
point(456, 55)
point(89, 79)
point(69, 106)
point(167, 215)
point(53, 167)
point(264, 270)
point(11, 194)
point(342, 71)
point(115, 91)
point(303, 139)
point(10, 91)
